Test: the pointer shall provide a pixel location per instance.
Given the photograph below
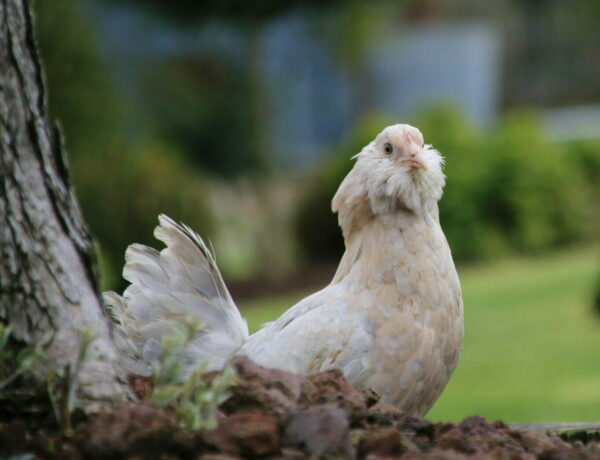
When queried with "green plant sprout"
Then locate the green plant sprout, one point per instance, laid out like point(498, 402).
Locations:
point(194, 398)
point(63, 383)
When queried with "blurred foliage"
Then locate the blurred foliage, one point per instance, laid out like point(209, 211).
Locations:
point(351, 29)
point(202, 106)
point(122, 195)
point(79, 87)
point(532, 191)
point(586, 155)
point(509, 190)
point(597, 299)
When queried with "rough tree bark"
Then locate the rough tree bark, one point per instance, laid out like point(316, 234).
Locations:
point(49, 289)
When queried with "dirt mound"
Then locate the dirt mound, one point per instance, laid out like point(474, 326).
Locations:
point(277, 415)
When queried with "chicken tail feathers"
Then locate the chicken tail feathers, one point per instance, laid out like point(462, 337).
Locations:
point(180, 284)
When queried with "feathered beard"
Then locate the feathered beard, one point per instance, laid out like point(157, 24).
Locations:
point(375, 188)
point(402, 187)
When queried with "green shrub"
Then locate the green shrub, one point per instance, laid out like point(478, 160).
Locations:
point(533, 191)
point(586, 155)
point(122, 195)
point(79, 87)
point(452, 134)
point(507, 190)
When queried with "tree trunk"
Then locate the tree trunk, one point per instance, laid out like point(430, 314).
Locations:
point(49, 290)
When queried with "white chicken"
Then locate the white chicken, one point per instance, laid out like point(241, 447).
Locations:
point(391, 319)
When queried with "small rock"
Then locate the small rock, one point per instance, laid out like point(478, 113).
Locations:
point(476, 424)
point(320, 431)
point(384, 442)
point(455, 439)
point(324, 385)
point(271, 390)
point(330, 387)
point(247, 433)
point(537, 443)
point(492, 437)
point(384, 414)
point(139, 430)
point(417, 425)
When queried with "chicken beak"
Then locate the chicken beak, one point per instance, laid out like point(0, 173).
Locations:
point(413, 152)
point(415, 161)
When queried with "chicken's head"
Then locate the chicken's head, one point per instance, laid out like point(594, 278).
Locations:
point(396, 172)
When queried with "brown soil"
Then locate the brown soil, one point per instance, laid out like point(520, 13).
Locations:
point(277, 415)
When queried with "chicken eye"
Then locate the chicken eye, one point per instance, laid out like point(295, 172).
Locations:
point(388, 149)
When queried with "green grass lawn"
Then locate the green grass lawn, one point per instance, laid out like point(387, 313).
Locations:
point(532, 342)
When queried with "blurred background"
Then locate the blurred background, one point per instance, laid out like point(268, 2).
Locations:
point(240, 118)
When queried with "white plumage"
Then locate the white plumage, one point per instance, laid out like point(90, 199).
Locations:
point(391, 319)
